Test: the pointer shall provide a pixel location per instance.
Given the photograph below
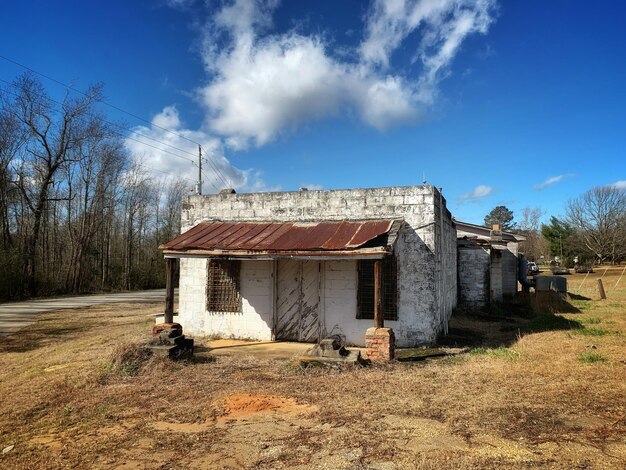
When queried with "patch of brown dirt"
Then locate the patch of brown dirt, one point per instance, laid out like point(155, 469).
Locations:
point(242, 405)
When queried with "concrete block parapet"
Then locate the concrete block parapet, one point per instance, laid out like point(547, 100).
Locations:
point(380, 344)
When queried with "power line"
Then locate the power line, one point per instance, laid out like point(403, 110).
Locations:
point(216, 169)
point(215, 187)
point(124, 136)
point(133, 131)
point(69, 87)
point(141, 164)
point(170, 174)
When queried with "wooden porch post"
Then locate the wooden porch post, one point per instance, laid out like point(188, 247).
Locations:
point(379, 319)
point(170, 264)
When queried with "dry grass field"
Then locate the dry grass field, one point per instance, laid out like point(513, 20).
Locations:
point(533, 390)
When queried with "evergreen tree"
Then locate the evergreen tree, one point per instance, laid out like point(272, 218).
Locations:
point(500, 215)
point(561, 238)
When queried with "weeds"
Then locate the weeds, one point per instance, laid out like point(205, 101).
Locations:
point(499, 353)
point(503, 399)
point(591, 357)
point(129, 359)
point(581, 304)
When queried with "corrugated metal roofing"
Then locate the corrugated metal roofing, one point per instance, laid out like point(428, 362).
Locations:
point(282, 236)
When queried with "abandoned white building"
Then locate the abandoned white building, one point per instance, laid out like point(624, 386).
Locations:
point(487, 263)
point(303, 265)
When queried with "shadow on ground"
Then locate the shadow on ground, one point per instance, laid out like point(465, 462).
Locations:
point(503, 324)
point(31, 337)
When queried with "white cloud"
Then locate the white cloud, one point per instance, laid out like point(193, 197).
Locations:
point(477, 193)
point(261, 85)
point(156, 146)
point(552, 181)
point(621, 184)
point(444, 24)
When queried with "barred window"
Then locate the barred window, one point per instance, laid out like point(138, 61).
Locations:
point(222, 289)
point(389, 289)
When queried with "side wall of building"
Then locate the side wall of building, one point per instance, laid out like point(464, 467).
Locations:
point(426, 251)
point(473, 269)
point(510, 269)
point(446, 264)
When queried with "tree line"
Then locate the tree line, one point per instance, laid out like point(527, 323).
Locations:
point(77, 213)
point(592, 229)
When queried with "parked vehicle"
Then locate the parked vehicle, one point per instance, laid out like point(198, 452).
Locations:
point(558, 270)
point(583, 268)
point(533, 269)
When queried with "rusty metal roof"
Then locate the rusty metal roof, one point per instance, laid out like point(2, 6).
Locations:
point(289, 237)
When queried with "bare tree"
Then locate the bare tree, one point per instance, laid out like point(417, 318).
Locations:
point(74, 214)
point(173, 205)
point(599, 216)
point(59, 139)
point(12, 138)
point(136, 196)
point(529, 226)
point(98, 173)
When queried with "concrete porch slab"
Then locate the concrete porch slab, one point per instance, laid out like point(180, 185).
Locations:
point(268, 350)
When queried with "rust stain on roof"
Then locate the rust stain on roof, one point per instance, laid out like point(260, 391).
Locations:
point(282, 236)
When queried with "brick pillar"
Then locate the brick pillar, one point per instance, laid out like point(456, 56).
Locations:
point(380, 344)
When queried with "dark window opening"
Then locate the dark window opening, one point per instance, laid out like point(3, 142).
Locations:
point(222, 289)
point(389, 289)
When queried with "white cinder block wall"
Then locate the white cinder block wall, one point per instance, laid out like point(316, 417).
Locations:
point(426, 253)
point(255, 319)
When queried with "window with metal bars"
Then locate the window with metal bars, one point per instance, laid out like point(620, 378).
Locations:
point(222, 289)
point(389, 289)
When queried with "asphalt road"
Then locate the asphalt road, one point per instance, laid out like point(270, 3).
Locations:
point(17, 315)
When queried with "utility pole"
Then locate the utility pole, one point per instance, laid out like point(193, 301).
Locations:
point(199, 170)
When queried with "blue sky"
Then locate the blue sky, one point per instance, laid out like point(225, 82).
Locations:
point(515, 103)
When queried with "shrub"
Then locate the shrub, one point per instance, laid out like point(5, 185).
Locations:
point(129, 358)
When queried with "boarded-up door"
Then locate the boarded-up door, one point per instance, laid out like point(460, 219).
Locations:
point(298, 301)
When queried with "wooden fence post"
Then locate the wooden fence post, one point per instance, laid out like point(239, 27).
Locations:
point(601, 289)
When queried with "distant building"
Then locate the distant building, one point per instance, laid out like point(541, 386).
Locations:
point(487, 263)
